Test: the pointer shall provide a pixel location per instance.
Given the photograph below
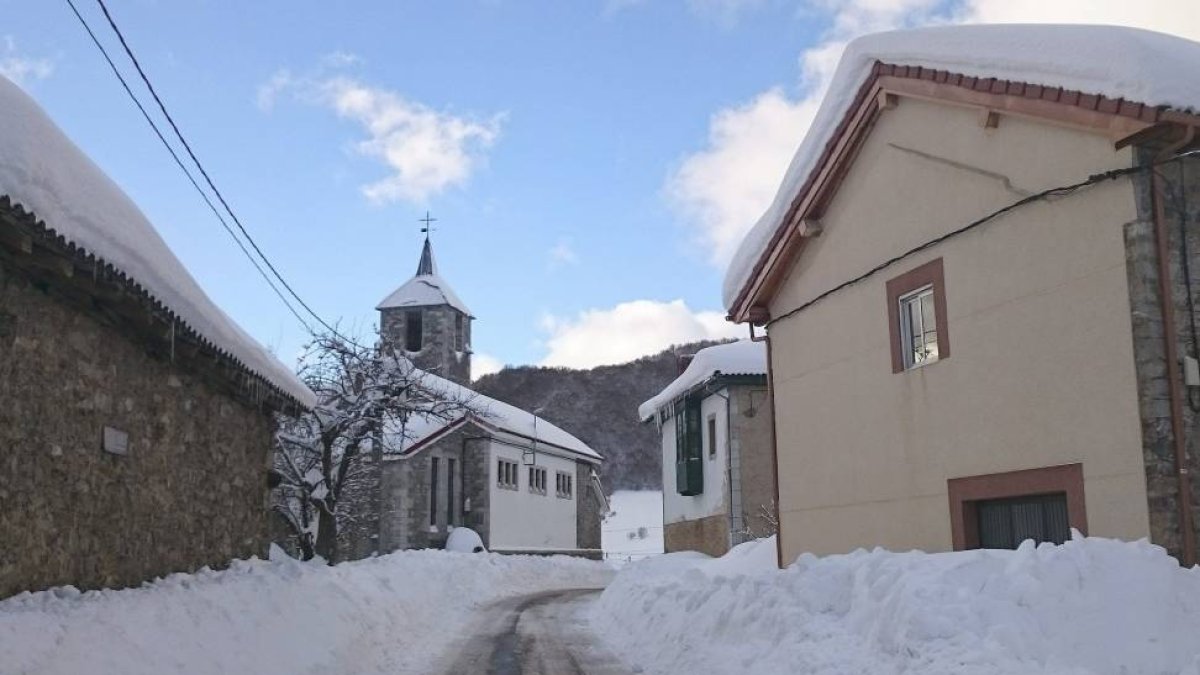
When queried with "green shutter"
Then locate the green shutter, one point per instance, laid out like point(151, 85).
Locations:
point(689, 452)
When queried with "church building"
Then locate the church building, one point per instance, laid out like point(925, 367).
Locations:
point(522, 483)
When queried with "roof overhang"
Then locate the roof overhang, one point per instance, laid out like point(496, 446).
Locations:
point(494, 430)
point(1118, 119)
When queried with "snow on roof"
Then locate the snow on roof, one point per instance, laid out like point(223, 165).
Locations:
point(744, 357)
point(491, 413)
point(424, 290)
point(44, 172)
point(1138, 65)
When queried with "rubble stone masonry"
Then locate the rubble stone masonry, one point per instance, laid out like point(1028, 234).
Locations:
point(190, 490)
point(1181, 182)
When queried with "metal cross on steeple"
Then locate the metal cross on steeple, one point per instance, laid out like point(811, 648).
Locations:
point(428, 220)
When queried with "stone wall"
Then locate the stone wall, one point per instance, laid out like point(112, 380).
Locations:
point(1182, 210)
point(707, 535)
point(438, 354)
point(191, 491)
point(750, 419)
point(589, 508)
point(404, 520)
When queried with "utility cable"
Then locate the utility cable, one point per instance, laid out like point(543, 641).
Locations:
point(1039, 196)
point(175, 156)
point(208, 179)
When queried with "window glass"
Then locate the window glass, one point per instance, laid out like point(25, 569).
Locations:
point(918, 327)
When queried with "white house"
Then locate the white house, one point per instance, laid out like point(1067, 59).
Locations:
point(718, 466)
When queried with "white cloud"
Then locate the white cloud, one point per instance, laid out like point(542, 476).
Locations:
point(269, 91)
point(627, 331)
point(22, 69)
point(561, 255)
point(426, 151)
point(722, 189)
point(484, 364)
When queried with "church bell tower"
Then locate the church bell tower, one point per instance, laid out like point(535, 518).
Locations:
point(426, 321)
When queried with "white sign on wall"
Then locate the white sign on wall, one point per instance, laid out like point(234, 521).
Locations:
point(116, 441)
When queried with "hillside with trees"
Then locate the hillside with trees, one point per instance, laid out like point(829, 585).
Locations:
point(599, 405)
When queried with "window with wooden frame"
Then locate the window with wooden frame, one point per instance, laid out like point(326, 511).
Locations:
point(689, 464)
point(1000, 510)
point(917, 317)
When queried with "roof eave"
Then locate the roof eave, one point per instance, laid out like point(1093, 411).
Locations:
point(1117, 118)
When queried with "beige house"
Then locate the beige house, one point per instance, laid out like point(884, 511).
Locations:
point(979, 285)
point(718, 466)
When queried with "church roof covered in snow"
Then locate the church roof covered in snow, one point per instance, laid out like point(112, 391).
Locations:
point(744, 357)
point(48, 176)
point(1129, 64)
point(490, 413)
point(426, 289)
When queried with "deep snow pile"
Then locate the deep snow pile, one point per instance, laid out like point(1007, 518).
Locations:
point(393, 614)
point(1088, 606)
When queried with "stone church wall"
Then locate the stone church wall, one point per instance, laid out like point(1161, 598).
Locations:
point(438, 354)
point(405, 492)
point(191, 490)
point(588, 508)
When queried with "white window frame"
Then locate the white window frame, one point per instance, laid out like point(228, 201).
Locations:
point(922, 295)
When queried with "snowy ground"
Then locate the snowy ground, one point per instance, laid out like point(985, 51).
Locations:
point(393, 614)
point(1090, 606)
point(635, 528)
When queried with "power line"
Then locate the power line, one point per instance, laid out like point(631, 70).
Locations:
point(1044, 194)
point(204, 173)
point(183, 167)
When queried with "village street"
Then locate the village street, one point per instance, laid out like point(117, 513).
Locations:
point(537, 634)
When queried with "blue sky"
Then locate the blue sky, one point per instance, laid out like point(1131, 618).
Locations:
point(591, 164)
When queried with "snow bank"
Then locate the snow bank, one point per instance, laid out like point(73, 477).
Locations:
point(1089, 606)
point(744, 357)
point(393, 614)
point(1130, 63)
point(41, 169)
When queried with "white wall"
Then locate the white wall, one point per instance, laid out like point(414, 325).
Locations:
point(524, 519)
point(714, 500)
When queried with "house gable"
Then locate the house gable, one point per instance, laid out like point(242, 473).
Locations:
point(992, 100)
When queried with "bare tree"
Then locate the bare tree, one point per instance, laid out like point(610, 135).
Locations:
point(367, 398)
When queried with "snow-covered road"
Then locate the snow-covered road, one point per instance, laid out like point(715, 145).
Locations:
point(537, 634)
